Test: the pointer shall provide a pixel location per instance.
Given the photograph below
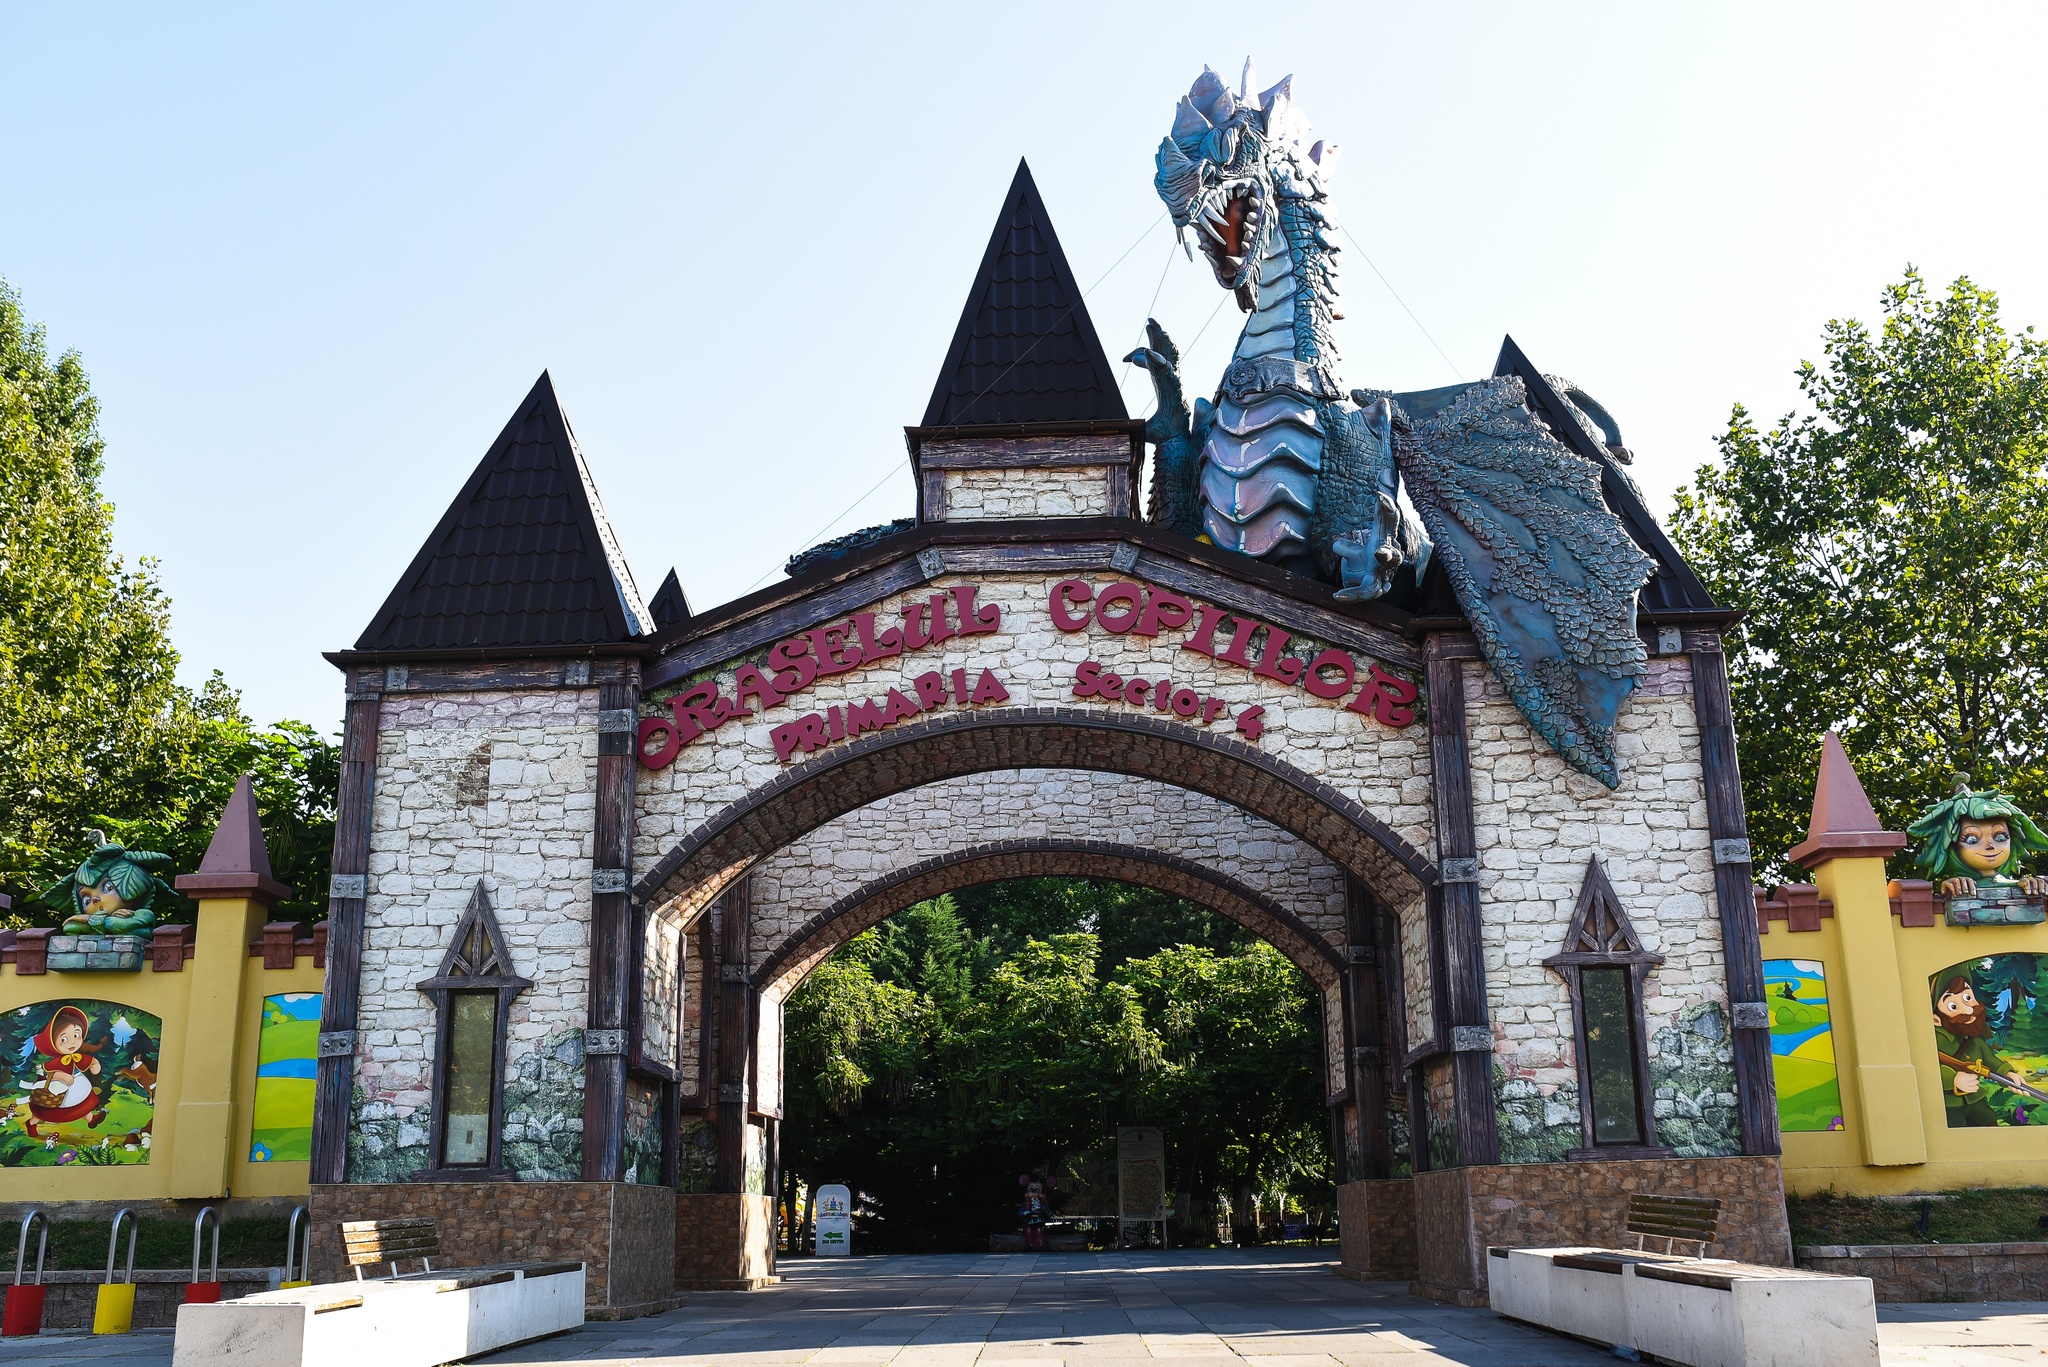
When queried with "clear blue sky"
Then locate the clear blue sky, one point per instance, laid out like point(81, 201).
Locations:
point(312, 258)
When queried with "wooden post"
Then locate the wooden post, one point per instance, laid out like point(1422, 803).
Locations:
point(735, 1039)
point(334, 1073)
point(611, 940)
point(1466, 1032)
point(1365, 1038)
point(1741, 951)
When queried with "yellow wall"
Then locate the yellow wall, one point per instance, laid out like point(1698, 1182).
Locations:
point(1860, 987)
point(206, 1081)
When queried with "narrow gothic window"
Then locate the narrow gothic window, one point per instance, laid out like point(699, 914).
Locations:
point(472, 993)
point(1605, 966)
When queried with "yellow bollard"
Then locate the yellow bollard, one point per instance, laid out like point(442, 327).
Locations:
point(113, 1310)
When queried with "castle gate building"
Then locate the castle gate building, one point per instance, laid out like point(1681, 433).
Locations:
point(589, 842)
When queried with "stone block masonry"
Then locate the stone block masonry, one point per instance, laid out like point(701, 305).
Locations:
point(498, 786)
point(622, 1231)
point(1938, 1272)
point(1459, 1212)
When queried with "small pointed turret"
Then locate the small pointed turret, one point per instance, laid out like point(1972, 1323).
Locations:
point(237, 862)
point(1844, 822)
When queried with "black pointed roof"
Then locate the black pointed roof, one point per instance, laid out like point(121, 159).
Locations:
point(1672, 586)
point(1025, 350)
point(524, 556)
point(669, 605)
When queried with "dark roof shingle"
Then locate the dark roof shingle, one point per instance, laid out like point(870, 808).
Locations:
point(524, 556)
point(1025, 350)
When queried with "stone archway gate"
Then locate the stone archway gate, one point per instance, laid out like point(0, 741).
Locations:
point(666, 818)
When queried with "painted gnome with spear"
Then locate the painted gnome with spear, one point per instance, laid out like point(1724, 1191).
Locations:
point(1971, 841)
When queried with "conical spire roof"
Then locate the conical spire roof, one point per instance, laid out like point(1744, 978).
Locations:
point(1844, 822)
point(1025, 350)
point(237, 862)
point(524, 556)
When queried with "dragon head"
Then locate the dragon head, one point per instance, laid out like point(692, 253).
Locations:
point(1227, 166)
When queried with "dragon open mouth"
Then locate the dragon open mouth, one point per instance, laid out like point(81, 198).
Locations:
point(1229, 219)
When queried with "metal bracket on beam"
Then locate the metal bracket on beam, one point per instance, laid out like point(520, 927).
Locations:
point(732, 1093)
point(610, 880)
point(1670, 641)
point(1366, 1056)
point(1123, 557)
point(395, 677)
point(342, 886)
point(733, 973)
point(1731, 852)
point(1368, 955)
point(1471, 1039)
point(931, 562)
point(362, 697)
point(604, 1041)
point(1750, 1015)
point(1458, 871)
point(617, 719)
point(576, 674)
point(337, 1044)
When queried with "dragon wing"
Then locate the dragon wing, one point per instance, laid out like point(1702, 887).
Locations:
point(1546, 573)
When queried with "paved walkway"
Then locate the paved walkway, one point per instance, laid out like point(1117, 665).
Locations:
point(1211, 1309)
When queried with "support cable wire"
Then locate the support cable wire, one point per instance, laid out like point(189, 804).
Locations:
point(978, 397)
point(1456, 374)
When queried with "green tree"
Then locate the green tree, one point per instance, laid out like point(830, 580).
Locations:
point(1889, 544)
point(95, 731)
point(1239, 1092)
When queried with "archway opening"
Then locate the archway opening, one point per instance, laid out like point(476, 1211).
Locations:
point(942, 1053)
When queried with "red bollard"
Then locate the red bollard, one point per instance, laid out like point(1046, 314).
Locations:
point(24, 1312)
point(196, 1291)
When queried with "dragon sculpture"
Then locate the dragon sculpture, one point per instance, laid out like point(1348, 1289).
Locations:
point(1288, 468)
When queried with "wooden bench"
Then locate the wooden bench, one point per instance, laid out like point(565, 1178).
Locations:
point(414, 1319)
point(369, 1242)
point(1685, 1307)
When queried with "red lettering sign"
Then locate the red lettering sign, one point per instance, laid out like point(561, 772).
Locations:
point(927, 692)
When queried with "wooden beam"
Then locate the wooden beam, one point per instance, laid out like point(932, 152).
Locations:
point(1756, 1088)
point(1466, 1031)
point(735, 1039)
point(334, 1072)
point(611, 938)
point(1365, 1034)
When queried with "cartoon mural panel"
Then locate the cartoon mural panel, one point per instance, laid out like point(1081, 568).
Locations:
point(1991, 1035)
point(1802, 1045)
point(79, 1080)
point(281, 1130)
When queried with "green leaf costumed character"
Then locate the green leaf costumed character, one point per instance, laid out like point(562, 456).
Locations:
point(113, 892)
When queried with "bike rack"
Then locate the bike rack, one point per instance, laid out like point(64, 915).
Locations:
point(24, 1310)
point(304, 1262)
point(113, 1310)
point(208, 1291)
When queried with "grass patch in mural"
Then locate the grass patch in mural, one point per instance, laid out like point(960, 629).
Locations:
point(1987, 1215)
point(81, 1245)
point(281, 1129)
point(1802, 1046)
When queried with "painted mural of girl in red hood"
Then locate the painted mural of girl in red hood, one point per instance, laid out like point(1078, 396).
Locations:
point(66, 1090)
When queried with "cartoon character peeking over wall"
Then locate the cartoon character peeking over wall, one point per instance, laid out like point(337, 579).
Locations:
point(1971, 840)
point(67, 1089)
point(113, 892)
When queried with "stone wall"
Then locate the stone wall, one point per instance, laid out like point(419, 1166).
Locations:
point(661, 987)
point(69, 1298)
point(722, 1242)
point(1538, 822)
point(498, 787)
point(1376, 1229)
point(1459, 1212)
point(622, 1232)
point(1383, 769)
point(812, 873)
point(1055, 491)
point(1938, 1272)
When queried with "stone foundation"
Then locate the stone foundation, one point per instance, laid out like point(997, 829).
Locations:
point(1376, 1229)
point(1938, 1272)
point(722, 1242)
point(1459, 1212)
point(621, 1231)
